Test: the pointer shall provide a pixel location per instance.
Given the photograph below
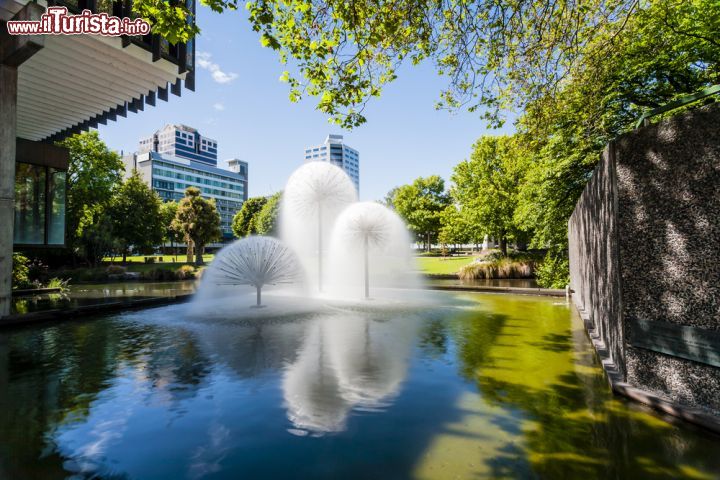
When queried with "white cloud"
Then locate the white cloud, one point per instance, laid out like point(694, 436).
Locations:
point(204, 61)
point(219, 107)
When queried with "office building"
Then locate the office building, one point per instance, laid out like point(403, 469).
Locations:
point(183, 142)
point(170, 174)
point(337, 153)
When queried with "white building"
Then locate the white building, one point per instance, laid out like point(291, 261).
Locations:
point(337, 153)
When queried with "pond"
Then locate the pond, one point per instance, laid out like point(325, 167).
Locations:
point(93, 294)
point(482, 385)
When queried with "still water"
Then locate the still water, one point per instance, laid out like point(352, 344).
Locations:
point(484, 386)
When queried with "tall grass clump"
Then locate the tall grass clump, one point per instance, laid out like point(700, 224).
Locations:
point(493, 265)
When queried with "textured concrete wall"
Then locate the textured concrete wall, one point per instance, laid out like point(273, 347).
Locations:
point(595, 271)
point(645, 244)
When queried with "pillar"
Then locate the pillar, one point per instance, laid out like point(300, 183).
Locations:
point(8, 128)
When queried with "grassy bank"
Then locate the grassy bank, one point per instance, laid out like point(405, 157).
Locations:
point(442, 265)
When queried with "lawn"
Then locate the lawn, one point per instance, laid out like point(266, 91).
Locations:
point(440, 265)
point(166, 259)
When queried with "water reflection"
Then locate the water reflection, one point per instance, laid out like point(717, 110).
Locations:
point(487, 386)
point(346, 361)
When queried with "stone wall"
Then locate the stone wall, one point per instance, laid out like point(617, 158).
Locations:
point(645, 244)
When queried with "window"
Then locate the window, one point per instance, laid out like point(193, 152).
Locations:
point(39, 205)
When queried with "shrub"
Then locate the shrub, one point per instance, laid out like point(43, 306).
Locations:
point(58, 283)
point(159, 274)
point(185, 272)
point(149, 259)
point(554, 271)
point(498, 268)
point(20, 271)
point(115, 270)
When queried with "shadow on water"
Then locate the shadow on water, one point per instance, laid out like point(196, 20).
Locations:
point(486, 386)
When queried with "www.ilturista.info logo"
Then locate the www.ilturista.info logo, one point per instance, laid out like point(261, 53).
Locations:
point(57, 21)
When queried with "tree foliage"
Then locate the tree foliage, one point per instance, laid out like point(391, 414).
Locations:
point(266, 221)
point(198, 220)
point(135, 212)
point(243, 223)
point(486, 187)
point(494, 53)
point(421, 205)
point(93, 175)
point(168, 211)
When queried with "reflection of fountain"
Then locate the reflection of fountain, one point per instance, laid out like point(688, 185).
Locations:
point(349, 361)
point(315, 193)
point(256, 261)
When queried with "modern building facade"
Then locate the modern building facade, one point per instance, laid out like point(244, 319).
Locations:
point(335, 151)
point(170, 175)
point(54, 86)
point(183, 142)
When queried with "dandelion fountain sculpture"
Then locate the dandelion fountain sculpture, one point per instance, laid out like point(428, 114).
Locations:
point(256, 261)
point(313, 197)
point(380, 236)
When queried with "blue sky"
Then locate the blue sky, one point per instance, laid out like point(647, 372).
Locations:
point(240, 102)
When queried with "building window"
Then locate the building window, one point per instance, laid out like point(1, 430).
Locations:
point(39, 205)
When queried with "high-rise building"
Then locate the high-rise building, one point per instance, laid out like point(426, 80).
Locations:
point(183, 142)
point(337, 153)
point(169, 174)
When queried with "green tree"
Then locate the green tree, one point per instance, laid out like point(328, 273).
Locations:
point(168, 211)
point(494, 53)
point(421, 205)
point(93, 175)
point(135, 212)
point(454, 229)
point(198, 220)
point(266, 220)
point(243, 223)
point(667, 50)
point(486, 187)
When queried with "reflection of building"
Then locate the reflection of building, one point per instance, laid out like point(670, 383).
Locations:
point(53, 86)
point(170, 175)
point(337, 153)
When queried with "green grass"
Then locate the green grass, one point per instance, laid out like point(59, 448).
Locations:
point(168, 259)
point(442, 266)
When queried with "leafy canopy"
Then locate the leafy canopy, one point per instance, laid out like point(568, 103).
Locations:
point(494, 53)
point(198, 220)
point(421, 205)
point(243, 223)
point(135, 212)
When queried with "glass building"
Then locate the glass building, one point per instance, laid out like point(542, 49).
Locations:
point(170, 175)
point(337, 153)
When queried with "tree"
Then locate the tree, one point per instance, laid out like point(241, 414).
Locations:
point(486, 186)
point(243, 223)
point(421, 205)
point(266, 220)
point(93, 175)
point(454, 229)
point(135, 212)
point(495, 53)
point(667, 50)
point(168, 211)
point(198, 220)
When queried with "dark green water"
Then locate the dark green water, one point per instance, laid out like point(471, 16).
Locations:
point(485, 386)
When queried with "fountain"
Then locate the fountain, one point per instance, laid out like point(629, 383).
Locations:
point(369, 242)
point(256, 261)
point(314, 196)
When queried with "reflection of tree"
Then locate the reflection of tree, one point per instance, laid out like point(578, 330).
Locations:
point(530, 358)
point(50, 377)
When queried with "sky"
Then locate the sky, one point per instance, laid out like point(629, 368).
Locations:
point(240, 102)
